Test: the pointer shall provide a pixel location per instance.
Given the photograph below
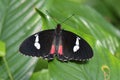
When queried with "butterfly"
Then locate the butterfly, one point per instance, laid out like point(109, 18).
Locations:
point(63, 44)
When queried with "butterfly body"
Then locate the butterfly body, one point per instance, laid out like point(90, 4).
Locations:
point(57, 42)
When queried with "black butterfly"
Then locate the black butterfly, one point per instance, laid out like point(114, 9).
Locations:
point(57, 42)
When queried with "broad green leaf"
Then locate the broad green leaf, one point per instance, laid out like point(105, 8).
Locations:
point(42, 75)
point(89, 22)
point(108, 8)
point(18, 19)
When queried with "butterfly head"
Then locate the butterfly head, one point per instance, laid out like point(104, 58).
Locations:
point(58, 28)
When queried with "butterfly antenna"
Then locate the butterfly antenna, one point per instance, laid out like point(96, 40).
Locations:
point(67, 18)
point(51, 16)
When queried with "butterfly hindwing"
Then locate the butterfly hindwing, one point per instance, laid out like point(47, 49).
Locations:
point(38, 45)
point(75, 47)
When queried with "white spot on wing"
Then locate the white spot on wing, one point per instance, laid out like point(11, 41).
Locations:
point(77, 41)
point(76, 47)
point(37, 38)
point(37, 44)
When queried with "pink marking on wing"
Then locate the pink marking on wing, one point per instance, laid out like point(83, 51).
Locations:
point(52, 51)
point(60, 50)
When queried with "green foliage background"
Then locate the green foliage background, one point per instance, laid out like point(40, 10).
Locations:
point(95, 20)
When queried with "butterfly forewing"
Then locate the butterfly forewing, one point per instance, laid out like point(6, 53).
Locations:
point(38, 44)
point(75, 47)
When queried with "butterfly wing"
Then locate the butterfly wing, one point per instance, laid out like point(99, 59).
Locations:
point(74, 47)
point(38, 45)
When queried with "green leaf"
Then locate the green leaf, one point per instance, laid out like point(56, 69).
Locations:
point(105, 43)
point(109, 9)
point(2, 49)
point(42, 75)
point(18, 19)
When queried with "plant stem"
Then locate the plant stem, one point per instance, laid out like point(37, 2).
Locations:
point(7, 67)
